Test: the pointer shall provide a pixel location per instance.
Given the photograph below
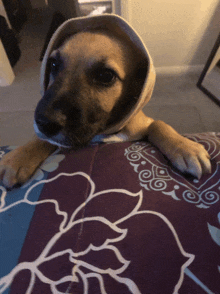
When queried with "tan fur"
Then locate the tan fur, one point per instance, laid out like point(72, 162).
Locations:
point(78, 54)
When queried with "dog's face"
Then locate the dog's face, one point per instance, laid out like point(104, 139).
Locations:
point(91, 76)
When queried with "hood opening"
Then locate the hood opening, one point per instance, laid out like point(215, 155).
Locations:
point(118, 27)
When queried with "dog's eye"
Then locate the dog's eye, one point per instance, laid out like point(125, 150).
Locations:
point(105, 77)
point(54, 65)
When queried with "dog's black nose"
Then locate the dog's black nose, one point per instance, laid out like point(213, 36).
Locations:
point(46, 126)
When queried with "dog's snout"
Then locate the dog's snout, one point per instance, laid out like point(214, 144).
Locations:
point(72, 111)
point(47, 127)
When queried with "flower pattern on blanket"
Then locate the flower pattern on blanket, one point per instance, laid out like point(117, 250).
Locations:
point(215, 233)
point(164, 178)
point(86, 236)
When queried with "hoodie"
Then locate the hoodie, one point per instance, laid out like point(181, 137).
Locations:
point(119, 26)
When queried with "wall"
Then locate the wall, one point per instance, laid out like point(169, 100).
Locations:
point(6, 71)
point(178, 33)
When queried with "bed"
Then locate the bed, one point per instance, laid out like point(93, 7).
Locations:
point(112, 218)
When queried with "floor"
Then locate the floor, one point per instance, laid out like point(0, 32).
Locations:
point(212, 82)
point(179, 102)
point(176, 99)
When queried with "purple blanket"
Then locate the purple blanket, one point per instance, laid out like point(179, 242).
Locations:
point(112, 219)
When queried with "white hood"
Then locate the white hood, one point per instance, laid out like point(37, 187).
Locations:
point(113, 23)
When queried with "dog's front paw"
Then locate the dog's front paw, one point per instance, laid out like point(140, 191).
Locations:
point(16, 167)
point(191, 157)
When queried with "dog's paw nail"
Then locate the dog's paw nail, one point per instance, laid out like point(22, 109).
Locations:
point(8, 176)
point(196, 174)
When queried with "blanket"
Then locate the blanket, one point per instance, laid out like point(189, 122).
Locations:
point(112, 218)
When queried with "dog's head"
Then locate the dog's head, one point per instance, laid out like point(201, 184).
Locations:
point(93, 78)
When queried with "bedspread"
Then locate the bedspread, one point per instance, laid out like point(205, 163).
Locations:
point(112, 219)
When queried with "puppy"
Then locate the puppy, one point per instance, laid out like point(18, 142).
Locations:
point(96, 77)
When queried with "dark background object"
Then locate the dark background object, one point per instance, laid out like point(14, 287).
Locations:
point(9, 42)
point(57, 20)
point(16, 13)
point(205, 70)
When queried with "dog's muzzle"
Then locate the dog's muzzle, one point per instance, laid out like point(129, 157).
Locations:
point(50, 119)
point(47, 127)
point(58, 139)
point(62, 122)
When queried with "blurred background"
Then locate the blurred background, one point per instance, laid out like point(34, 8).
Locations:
point(180, 36)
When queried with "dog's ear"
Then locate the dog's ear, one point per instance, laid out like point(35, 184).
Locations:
point(141, 70)
point(139, 78)
point(130, 94)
